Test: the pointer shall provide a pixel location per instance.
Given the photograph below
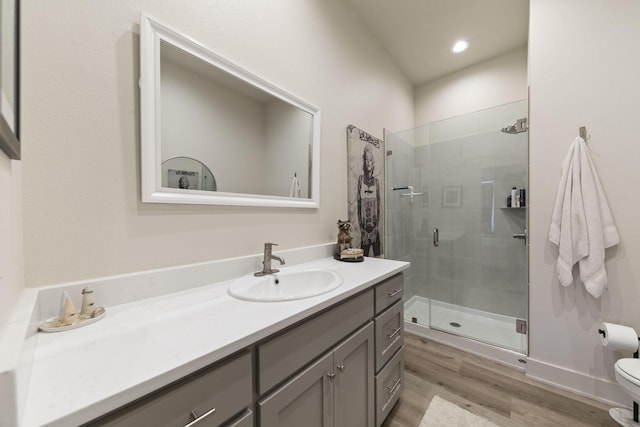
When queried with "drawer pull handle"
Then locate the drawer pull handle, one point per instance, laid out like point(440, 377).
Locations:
point(200, 418)
point(331, 375)
point(395, 386)
point(394, 333)
point(393, 293)
point(341, 367)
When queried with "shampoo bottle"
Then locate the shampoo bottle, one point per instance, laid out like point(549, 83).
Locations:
point(514, 198)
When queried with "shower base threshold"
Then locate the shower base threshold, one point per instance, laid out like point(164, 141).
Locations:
point(487, 334)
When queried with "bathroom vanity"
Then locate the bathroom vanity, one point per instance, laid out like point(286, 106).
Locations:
point(174, 350)
point(342, 367)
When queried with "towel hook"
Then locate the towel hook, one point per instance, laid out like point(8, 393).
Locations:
point(583, 133)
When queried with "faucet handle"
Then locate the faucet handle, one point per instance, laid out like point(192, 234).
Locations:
point(269, 244)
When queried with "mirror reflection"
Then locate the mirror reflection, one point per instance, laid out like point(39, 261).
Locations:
point(9, 74)
point(254, 141)
point(208, 115)
point(185, 173)
point(8, 61)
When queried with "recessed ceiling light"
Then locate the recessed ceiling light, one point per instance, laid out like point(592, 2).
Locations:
point(459, 46)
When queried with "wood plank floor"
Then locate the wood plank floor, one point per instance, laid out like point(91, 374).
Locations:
point(498, 393)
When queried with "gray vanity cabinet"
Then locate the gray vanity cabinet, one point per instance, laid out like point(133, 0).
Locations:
point(389, 386)
point(337, 390)
point(197, 399)
point(305, 400)
point(354, 392)
point(283, 355)
point(389, 291)
point(389, 330)
point(389, 326)
point(243, 420)
point(340, 368)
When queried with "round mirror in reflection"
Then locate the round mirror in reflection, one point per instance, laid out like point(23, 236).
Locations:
point(186, 173)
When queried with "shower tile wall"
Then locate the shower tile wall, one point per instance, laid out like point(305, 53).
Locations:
point(478, 263)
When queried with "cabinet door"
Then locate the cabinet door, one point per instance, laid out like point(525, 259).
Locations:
point(354, 380)
point(305, 400)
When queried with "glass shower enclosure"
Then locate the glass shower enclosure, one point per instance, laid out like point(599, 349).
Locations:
point(448, 184)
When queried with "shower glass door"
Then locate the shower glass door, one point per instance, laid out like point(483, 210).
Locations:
point(468, 273)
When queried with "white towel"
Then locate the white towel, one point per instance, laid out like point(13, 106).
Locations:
point(294, 189)
point(581, 224)
point(568, 214)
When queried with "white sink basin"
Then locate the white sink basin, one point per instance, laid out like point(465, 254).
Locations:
point(285, 285)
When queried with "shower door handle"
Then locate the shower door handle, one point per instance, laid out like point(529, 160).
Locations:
point(522, 236)
point(436, 237)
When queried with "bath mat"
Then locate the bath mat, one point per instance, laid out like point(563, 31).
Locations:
point(441, 413)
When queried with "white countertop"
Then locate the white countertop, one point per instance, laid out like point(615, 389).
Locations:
point(80, 374)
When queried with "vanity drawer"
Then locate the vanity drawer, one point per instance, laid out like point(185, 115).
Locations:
point(226, 387)
point(285, 354)
point(245, 420)
point(389, 291)
point(389, 333)
point(389, 386)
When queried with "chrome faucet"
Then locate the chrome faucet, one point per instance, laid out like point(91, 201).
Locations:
point(266, 262)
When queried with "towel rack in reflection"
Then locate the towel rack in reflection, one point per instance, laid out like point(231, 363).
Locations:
point(583, 133)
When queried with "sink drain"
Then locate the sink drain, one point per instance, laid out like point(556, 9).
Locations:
point(455, 324)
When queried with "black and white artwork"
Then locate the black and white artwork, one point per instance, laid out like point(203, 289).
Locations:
point(366, 190)
point(183, 179)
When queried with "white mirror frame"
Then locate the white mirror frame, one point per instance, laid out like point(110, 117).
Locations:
point(151, 35)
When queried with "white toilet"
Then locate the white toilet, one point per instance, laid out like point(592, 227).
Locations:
point(628, 376)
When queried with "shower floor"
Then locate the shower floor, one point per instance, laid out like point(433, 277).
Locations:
point(490, 328)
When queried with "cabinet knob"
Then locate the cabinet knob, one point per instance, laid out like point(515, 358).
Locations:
point(341, 367)
point(331, 375)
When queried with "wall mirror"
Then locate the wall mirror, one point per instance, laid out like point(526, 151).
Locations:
point(204, 115)
point(9, 94)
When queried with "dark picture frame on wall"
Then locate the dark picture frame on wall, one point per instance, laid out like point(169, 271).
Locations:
point(366, 191)
point(9, 78)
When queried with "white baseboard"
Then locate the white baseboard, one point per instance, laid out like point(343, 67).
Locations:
point(577, 382)
point(603, 390)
